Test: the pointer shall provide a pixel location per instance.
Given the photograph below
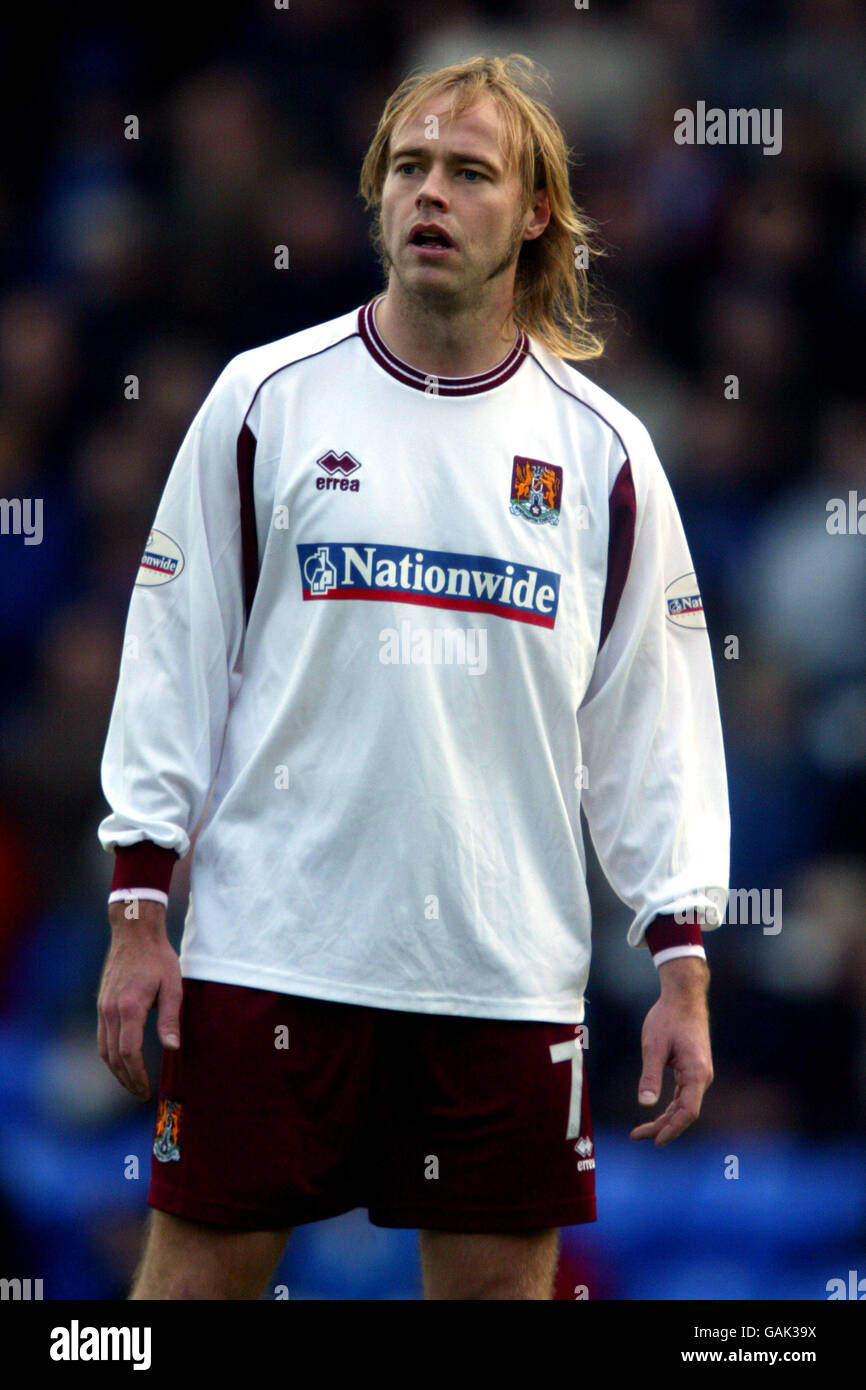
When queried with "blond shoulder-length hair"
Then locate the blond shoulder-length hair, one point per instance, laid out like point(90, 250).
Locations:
point(551, 287)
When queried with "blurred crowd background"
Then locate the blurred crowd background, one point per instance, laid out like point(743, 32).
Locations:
point(154, 257)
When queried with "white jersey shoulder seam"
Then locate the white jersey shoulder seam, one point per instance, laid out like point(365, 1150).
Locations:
point(630, 431)
point(255, 366)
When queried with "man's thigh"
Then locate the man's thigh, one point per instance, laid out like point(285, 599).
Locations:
point(518, 1265)
point(190, 1260)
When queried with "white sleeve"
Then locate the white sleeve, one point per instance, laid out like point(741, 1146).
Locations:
point(184, 632)
point(656, 797)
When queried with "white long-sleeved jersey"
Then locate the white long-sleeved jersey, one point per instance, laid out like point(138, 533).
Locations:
point(389, 632)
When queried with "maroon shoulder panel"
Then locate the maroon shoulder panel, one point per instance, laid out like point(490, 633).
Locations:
point(249, 539)
point(622, 507)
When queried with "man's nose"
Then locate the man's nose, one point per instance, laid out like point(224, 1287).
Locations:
point(432, 189)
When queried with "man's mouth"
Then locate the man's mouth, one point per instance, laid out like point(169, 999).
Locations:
point(430, 241)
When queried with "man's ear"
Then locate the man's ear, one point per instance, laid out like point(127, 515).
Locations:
point(537, 216)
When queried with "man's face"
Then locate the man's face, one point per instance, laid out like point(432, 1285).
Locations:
point(459, 181)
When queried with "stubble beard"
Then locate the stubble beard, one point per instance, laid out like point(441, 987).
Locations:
point(444, 299)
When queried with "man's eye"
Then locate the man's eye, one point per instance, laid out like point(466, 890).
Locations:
point(401, 168)
point(475, 174)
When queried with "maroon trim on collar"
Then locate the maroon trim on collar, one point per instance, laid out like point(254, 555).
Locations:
point(427, 382)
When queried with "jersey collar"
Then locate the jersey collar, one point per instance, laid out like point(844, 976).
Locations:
point(437, 385)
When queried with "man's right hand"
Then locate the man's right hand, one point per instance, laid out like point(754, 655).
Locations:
point(141, 969)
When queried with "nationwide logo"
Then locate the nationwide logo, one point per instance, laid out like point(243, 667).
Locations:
point(434, 578)
point(536, 490)
point(683, 601)
point(332, 464)
point(161, 562)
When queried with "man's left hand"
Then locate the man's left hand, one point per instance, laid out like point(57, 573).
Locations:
point(676, 1033)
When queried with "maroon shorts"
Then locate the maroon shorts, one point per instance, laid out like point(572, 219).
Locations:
point(278, 1110)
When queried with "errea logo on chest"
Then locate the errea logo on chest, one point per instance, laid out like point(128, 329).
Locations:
point(337, 470)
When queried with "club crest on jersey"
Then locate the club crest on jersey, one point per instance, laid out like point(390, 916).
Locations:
point(161, 562)
point(683, 603)
point(536, 490)
point(433, 578)
point(166, 1144)
point(333, 464)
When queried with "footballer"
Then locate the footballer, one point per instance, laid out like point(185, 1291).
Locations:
point(379, 996)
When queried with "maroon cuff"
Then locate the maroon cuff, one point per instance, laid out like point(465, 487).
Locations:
point(664, 932)
point(143, 865)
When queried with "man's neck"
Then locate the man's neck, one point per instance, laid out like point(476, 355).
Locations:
point(460, 344)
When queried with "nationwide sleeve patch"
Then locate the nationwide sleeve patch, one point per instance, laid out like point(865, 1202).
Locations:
point(683, 602)
point(161, 562)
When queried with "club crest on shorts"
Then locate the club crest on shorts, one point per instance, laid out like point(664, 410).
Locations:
point(536, 490)
point(166, 1145)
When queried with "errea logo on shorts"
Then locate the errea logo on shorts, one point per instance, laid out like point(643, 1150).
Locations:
point(583, 1148)
point(433, 578)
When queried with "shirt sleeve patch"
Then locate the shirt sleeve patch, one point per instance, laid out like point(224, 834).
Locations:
point(161, 562)
point(683, 603)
